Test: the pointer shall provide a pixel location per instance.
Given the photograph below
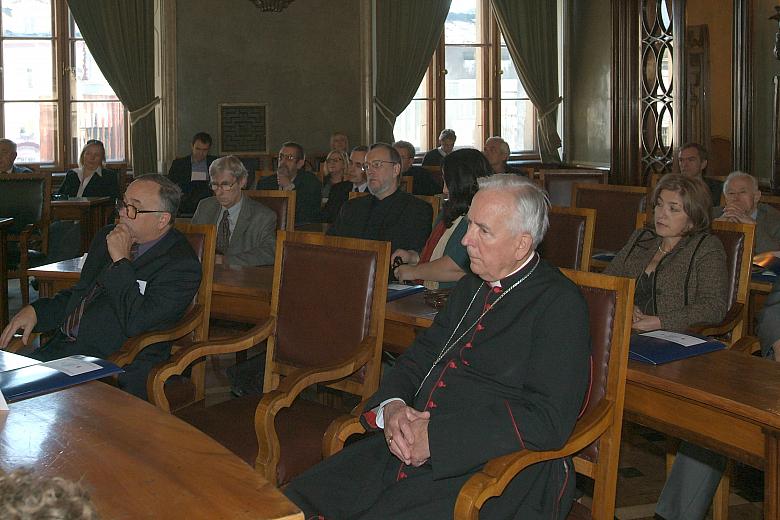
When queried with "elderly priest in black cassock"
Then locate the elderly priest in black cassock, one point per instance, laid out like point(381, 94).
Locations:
point(505, 366)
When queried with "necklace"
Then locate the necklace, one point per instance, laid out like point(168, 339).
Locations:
point(450, 344)
point(663, 251)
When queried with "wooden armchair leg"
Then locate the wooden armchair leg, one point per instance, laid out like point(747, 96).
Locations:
point(720, 503)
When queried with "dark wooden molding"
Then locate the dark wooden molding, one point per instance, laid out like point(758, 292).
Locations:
point(742, 89)
point(625, 156)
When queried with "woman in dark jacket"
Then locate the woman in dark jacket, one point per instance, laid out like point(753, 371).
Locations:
point(679, 266)
point(91, 178)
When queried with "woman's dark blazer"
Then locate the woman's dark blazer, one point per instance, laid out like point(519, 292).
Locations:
point(105, 185)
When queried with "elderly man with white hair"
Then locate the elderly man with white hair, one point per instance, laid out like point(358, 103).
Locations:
point(246, 229)
point(504, 366)
point(743, 205)
point(497, 152)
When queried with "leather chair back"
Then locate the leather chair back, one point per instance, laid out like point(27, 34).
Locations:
point(737, 240)
point(281, 202)
point(616, 209)
point(569, 240)
point(27, 198)
point(326, 330)
point(558, 183)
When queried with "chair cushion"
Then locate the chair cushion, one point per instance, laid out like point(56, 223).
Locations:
point(300, 429)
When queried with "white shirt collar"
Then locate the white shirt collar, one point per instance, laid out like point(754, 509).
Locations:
point(497, 283)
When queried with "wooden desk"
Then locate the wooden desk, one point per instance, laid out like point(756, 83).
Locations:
point(92, 213)
point(5, 223)
point(239, 293)
point(726, 401)
point(135, 460)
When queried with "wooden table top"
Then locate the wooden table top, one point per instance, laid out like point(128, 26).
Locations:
point(740, 384)
point(411, 310)
point(82, 201)
point(135, 460)
point(6, 222)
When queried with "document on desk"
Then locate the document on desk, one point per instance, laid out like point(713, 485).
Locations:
point(43, 378)
point(662, 346)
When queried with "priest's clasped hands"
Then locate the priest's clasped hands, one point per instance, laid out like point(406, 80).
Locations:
point(406, 433)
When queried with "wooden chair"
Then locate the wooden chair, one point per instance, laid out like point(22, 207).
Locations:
point(407, 183)
point(595, 440)
point(194, 325)
point(279, 432)
point(616, 209)
point(356, 194)
point(558, 182)
point(26, 197)
point(569, 240)
point(738, 240)
point(282, 202)
point(772, 200)
point(434, 201)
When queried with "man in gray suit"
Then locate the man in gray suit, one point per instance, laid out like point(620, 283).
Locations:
point(246, 229)
point(742, 205)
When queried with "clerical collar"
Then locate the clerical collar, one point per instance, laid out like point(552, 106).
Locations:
point(497, 283)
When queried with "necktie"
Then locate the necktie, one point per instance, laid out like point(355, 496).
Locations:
point(223, 233)
point(71, 325)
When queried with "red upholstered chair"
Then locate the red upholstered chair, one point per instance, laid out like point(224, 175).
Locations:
point(281, 202)
point(595, 441)
point(281, 433)
point(569, 240)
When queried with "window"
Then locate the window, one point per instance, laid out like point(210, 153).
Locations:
point(54, 97)
point(471, 86)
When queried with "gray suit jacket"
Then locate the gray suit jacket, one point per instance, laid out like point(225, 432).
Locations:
point(769, 321)
point(767, 227)
point(253, 241)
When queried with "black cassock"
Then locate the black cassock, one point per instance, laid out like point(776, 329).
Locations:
point(516, 379)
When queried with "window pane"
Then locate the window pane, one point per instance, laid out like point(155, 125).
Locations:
point(510, 81)
point(75, 32)
point(462, 24)
point(27, 18)
point(462, 70)
point(28, 72)
point(463, 116)
point(412, 125)
point(98, 120)
point(88, 83)
point(517, 124)
point(33, 127)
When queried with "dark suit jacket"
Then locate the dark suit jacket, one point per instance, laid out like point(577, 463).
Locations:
point(308, 195)
point(253, 241)
point(769, 321)
point(120, 310)
point(400, 218)
point(339, 194)
point(105, 185)
point(192, 192)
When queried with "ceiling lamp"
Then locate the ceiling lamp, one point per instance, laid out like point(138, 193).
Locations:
point(276, 6)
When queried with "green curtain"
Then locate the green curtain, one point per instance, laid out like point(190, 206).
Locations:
point(530, 29)
point(407, 32)
point(120, 36)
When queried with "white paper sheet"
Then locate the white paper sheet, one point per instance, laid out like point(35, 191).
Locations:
point(3, 404)
point(674, 337)
point(71, 366)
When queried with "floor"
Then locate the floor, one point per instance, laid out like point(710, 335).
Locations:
point(641, 472)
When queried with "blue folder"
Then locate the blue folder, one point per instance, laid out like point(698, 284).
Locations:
point(659, 351)
point(37, 379)
point(394, 294)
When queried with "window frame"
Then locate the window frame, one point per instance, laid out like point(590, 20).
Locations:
point(63, 47)
point(490, 88)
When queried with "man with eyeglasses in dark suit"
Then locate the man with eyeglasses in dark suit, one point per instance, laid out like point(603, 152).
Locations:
point(291, 175)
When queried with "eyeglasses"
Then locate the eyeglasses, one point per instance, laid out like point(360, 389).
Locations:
point(288, 157)
point(224, 186)
point(375, 164)
point(132, 211)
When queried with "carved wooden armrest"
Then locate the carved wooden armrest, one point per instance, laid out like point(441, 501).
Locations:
point(341, 429)
point(747, 345)
point(186, 356)
point(498, 472)
point(268, 446)
point(728, 323)
point(133, 346)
